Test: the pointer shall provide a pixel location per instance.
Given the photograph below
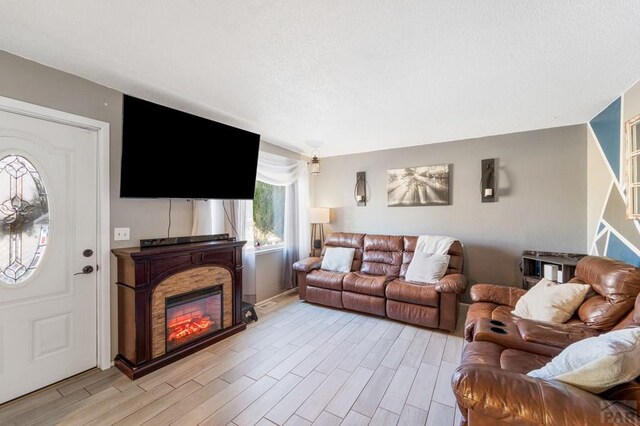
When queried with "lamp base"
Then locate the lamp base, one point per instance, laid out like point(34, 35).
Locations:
point(317, 230)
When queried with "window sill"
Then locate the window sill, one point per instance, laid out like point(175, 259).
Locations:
point(269, 249)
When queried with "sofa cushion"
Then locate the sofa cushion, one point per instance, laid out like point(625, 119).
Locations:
point(338, 259)
point(424, 316)
point(632, 319)
point(487, 395)
point(554, 335)
point(427, 268)
point(324, 296)
point(551, 302)
point(456, 252)
point(616, 285)
point(502, 313)
point(497, 312)
point(325, 279)
point(521, 361)
point(418, 294)
point(626, 393)
point(486, 353)
point(597, 363)
point(364, 303)
point(489, 353)
point(382, 255)
point(498, 294)
point(348, 240)
point(358, 282)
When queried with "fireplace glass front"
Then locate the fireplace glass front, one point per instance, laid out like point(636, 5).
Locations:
point(193, 315)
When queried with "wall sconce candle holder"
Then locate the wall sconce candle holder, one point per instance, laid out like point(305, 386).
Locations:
point(360, 190)
point(488, 181)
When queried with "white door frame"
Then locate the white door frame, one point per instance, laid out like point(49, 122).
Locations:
point(103, 259)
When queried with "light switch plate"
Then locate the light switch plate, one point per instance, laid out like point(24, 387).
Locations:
point(120, 234)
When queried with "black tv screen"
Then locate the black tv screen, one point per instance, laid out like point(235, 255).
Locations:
point(168, 153)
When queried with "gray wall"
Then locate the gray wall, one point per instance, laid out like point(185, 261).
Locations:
point(31, 82)
point(542, 197)
point(269, 274)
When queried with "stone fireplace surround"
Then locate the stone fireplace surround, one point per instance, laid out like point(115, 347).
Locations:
point(147, 277)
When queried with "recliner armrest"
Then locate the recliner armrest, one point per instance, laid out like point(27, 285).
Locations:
point(307, 265)
point(452, 283)
point(556, 335)
point(516, 398)
point(501, 295)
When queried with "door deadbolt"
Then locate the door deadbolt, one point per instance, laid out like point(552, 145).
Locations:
point(87, 253)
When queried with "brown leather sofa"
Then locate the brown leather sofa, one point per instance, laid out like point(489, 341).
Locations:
point(614, 287)
point(491, 385)
point(492, 388)
point(376, 283)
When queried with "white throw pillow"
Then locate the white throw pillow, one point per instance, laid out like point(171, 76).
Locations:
point(597, 363)
point(551, 302)
point(425, 269)
point(338, 259)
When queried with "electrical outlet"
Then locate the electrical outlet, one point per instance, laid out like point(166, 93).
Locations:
point(121, 234)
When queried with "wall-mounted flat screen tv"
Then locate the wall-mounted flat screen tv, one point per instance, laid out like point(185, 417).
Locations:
point(168, 153)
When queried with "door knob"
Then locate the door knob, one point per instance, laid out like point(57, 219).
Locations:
point(86, 270)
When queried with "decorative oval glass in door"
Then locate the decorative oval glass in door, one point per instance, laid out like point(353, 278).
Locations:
point(24, 219)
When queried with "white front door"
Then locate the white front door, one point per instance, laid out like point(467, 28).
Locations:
point(48, 212)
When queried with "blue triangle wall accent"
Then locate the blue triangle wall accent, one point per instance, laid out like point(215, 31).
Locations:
point(619, 250)
point(606, 126)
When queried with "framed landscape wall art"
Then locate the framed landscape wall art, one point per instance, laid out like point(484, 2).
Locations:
point(418, 186)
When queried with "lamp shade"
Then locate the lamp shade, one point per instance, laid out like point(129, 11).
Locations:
point(319, 214)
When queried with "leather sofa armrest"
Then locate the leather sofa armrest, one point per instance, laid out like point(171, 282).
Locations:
point(514, 398)
point(498, 294)
point(452, 283)
point(556, 335)
point(307, 265)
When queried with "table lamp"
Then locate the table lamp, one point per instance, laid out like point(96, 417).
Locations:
point(318, 216)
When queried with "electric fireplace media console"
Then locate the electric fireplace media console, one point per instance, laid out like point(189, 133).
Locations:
point(176, 300)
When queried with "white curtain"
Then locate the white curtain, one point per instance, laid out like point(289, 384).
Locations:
point(207, 217)
point(238, 221)
point(236, 216)
point(296, 225)
point(293, 175)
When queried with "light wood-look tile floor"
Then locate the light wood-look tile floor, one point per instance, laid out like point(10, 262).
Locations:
point(300, 364)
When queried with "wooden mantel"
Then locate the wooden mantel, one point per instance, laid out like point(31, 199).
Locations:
point(140, 271)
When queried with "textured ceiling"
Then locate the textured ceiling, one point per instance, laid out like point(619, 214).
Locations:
point(349, 76)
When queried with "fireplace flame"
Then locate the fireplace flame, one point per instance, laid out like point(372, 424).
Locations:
point(188, 327)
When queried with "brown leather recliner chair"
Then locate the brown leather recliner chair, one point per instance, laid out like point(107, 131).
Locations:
point(491, 385)
point(434, 306)
point(614, 287)
point(492, 388)
point(325, 287)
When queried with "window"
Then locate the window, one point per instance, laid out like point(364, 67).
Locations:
point(24, 219)
point(268, 214)
point(632, 172)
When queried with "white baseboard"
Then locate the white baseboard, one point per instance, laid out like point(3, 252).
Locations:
point(284, 293)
